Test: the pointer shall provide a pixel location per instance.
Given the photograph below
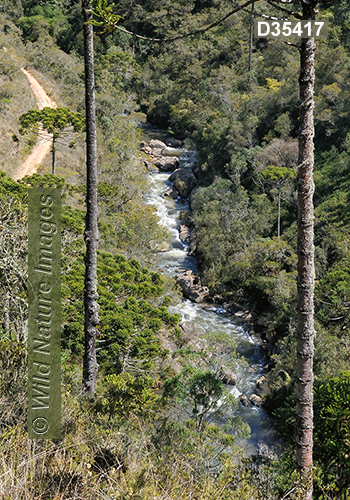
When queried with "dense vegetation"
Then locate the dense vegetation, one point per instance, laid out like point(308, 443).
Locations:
point(244, 127)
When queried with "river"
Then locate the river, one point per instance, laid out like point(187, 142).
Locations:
point(212, 319)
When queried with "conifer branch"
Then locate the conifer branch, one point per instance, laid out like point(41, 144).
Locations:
point(110, 23)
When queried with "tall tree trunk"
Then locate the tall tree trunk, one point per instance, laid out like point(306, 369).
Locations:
point(91, 228)
point(53, 153)
point(279, 211)
point(251, 38)
point(305, 329)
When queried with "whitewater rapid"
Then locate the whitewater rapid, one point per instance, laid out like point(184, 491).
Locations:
point(207, 316)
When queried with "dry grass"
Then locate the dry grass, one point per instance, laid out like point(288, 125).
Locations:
point(104, 459)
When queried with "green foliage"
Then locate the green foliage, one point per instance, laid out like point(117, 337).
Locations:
point(54, 120)
point(201, 395)
point(124, 394)
point(103, 11)
point(9, 187)
point(42, 181)
point(277, 174)
point(332, 431)
point(137, 229)
point(119, 69)
point(129, 324)
point(222, 215)
point(240, 123)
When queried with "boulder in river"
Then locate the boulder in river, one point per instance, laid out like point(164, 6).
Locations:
point(256, 400)
point(227, 376)
point(191, 286)
point(183, 181)
point(166, 163)
point(184, 233)
point(192, 247)
point(154, 150)
point(171, 192)
point(261, 381)
point(244, 400)
point(162, 246)
point(172, 142)
point(156, 144)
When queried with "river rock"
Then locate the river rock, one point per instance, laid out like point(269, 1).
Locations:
point(184, 233)
point(163, 246)
point(184, 181)
point(154, 150)
point(156, 144)
point(172, 142)
point(192, 247)
point(260, 382)
point(227, 376)
point(256, 400)
point(171, 192)
point(244, 400)
point(184, 216)
point(146, 148)
point(191, 286)
point(166, 163)
point(245, 315)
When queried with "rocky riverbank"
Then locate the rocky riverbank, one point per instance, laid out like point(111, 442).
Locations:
point(159, 156)
point(162, 156)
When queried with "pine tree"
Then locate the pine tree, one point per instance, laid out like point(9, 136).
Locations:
point(53, 121)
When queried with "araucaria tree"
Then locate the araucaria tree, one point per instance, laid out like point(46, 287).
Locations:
point(277, 177)
point(305, 328)
point(54, 121)
point(91, 229)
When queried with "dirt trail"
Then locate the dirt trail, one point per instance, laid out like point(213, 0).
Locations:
point(43, 145)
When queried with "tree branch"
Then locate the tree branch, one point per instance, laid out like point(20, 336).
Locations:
point(114, 25)
point(265, 16)
point(292, 44)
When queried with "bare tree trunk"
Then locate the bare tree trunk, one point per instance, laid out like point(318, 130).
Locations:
point(305, 329)
point(91, 228)
point(251, 38)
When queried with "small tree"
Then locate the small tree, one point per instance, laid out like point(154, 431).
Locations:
point(54, 121)
point(277, 177)
point(202, 396)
